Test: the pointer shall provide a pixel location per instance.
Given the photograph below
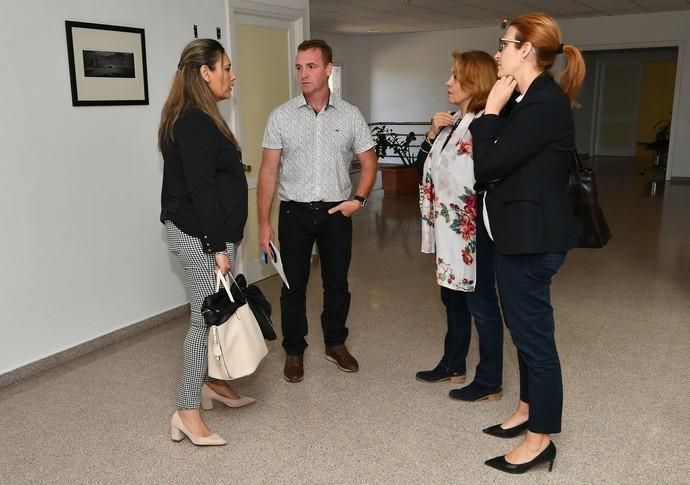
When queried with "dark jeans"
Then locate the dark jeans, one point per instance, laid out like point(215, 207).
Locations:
point(298, 228)
point(524, 283)
point(482, 304)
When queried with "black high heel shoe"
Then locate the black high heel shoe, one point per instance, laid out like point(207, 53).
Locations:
point(501, 432)
point(500, 463)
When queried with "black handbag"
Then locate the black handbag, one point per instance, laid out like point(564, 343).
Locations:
point(217, 307)
point(260, 306)
point(582, 187)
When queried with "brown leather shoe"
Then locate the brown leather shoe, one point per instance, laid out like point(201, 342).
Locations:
point(294, 368)
point(342, 358)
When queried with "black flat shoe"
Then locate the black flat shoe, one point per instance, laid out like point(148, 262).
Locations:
point(500, 432)
point(440, 373)
point(546, 456)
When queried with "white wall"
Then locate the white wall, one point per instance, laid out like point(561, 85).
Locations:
point(82, 251)
point(400, 76)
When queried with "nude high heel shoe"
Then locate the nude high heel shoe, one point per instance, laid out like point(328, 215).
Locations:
point(178, 431)
point(208, 395)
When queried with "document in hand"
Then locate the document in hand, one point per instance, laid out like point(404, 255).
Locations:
point(278, 262)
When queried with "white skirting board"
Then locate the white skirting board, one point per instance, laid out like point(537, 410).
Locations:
point(118, 335)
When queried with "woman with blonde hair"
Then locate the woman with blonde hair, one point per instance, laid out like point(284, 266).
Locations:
point(451, 230)
point(204, 209)
point(524, 161)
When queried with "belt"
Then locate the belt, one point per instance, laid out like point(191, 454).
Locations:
point(315, 205)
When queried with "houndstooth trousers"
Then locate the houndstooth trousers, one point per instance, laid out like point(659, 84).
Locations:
point(199, 281)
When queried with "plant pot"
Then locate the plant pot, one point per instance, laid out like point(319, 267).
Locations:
point(399, 180)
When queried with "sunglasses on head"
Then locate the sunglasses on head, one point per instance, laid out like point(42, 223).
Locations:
point(503, 42)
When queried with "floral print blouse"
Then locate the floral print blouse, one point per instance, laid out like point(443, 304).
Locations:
point(448, 206)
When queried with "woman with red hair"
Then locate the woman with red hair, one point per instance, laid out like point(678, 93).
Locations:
point(452, 231)
point(523, 162)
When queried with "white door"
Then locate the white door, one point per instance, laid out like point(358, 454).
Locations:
point(619, 95)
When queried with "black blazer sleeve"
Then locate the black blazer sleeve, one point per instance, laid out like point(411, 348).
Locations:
point(501, 147)
point(197, 139)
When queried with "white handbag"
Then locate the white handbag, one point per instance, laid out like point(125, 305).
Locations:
point(237, 346)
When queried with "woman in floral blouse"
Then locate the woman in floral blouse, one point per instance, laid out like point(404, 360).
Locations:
point(451, 229)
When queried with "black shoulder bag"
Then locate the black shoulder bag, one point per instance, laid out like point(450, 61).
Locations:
point(582, 187)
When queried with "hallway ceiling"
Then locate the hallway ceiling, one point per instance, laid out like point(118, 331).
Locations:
point(394, 16)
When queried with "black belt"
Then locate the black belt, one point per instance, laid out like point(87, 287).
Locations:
point(315, 205)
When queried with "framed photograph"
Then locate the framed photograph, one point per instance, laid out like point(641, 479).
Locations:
point(335, 82)
point(107, 64)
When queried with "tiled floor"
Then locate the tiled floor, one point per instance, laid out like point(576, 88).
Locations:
point(623, 318)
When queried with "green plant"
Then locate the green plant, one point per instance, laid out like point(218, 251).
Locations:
point(387, 139)
point(662, 129)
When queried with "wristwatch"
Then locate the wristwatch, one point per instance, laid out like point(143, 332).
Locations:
point(362, 200)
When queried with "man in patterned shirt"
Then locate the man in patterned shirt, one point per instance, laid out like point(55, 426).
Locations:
point(308, 145)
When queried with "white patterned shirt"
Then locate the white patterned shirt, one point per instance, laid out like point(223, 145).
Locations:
point(317, 149)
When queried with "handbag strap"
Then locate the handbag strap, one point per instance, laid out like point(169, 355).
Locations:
point(226, 283)
point(455, 126)
point(220, 277)
point(576, 168)
point(452, 130)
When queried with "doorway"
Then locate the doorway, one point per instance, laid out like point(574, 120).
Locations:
point(264, 49)
point(626, 101)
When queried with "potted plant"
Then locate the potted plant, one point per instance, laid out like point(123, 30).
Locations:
point(662, 130)
point(397, 179)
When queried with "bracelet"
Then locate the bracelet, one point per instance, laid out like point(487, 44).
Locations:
point(223, 252)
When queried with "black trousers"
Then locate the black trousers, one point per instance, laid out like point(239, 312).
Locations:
point(524, 283)
point(299, 226)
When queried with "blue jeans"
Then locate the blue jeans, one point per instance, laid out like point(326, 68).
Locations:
point(482, 304)
point(524, 283)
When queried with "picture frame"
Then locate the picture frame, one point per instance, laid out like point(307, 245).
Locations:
point(107, 64)
point(335, 81)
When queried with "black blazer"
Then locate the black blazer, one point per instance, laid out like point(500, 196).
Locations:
point(204, 186)
point(525, 159)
